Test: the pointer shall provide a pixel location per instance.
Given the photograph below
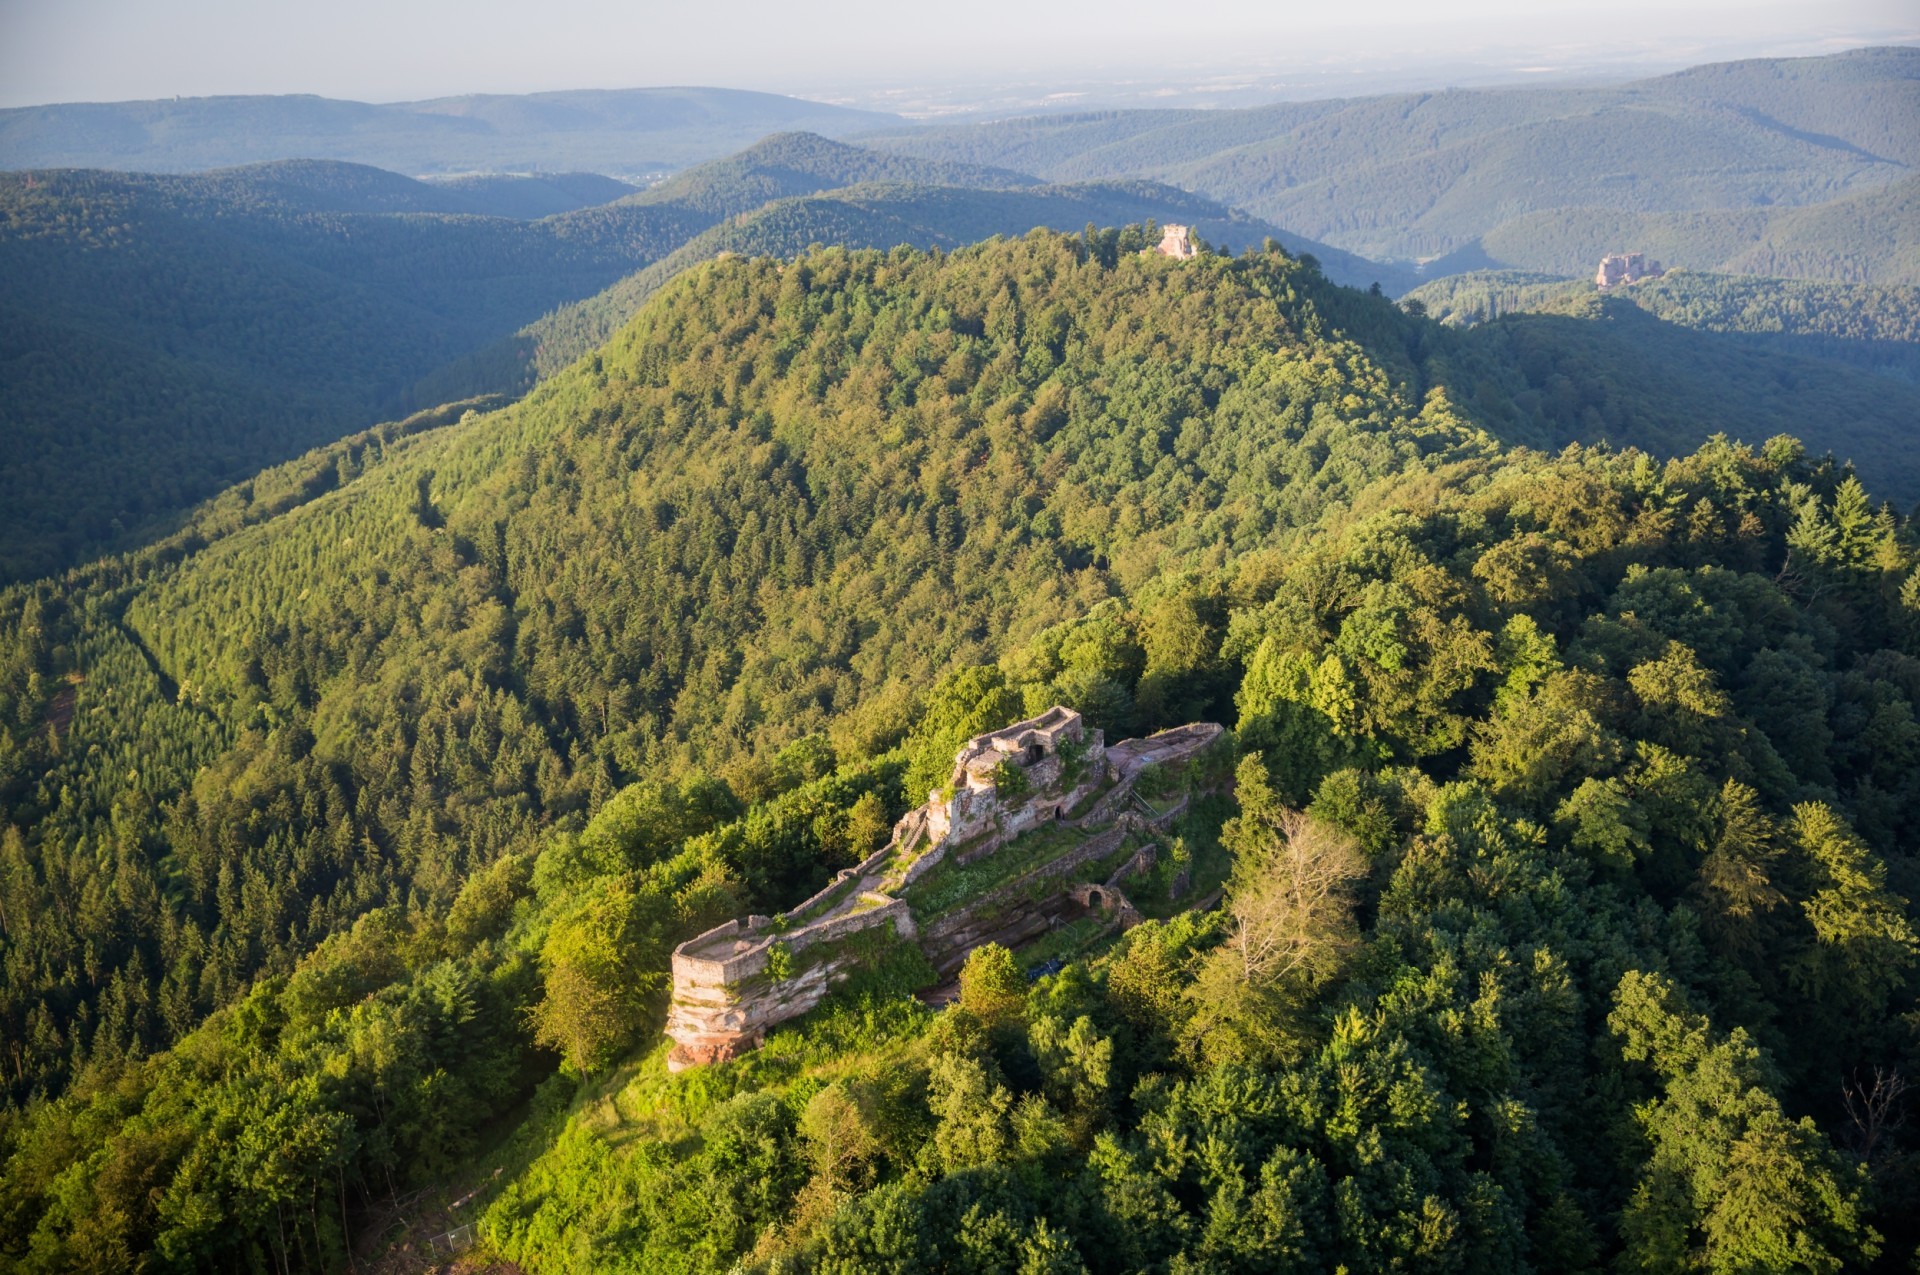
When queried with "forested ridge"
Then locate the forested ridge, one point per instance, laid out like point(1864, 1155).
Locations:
point(163, 337)
point(1781, 166)
point(873, 214)
point(1863, 325)
point(1869, 237)
point(1655, 370)
point(336, 821)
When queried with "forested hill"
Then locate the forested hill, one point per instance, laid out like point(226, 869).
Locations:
point(163, 336)
point(484, 577)
point(1428, 174)
point(621, 131)
point(1829, 362)
point(1866, 326)
point(1871, 237)
point(878, 216)
point(1604, 368)
point(789, 164)
point(533, 195)
point(336, 823)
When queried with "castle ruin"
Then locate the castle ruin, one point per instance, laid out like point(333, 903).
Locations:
point(1618, 269)
point(1007, 789)
point(1176, 242)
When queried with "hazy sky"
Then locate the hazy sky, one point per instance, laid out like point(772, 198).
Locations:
point(388, 50)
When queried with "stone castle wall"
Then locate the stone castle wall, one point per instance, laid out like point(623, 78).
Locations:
point(724, 994)
point(1618, 269)
point(721, 1009)
point(1004, 914)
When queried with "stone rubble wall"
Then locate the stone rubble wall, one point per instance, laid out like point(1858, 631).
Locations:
point(974, 808)
point(712, 1026)
point(711, 957)
point(1132, 756)
point(947, 941)
point(1620, 268)
point(1048, 731)
point(1144, 860)
point(753, 962)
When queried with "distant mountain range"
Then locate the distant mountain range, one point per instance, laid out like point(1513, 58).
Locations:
point(1423, 175)
point(1704, 168)
point(618, 131)
point(164, 335)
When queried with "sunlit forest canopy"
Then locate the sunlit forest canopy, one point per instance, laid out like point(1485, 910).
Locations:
point(1563, 879)
point(163, 337)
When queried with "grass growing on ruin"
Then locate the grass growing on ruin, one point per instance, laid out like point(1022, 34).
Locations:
point(951, 883)
point(1208, 862)
point(1072, 941)
point(839, 894)
point(1085, 805)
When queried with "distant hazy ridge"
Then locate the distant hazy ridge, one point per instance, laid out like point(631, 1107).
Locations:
point(617, 131)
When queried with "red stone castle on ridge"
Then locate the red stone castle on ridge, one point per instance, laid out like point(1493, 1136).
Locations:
point(1046, 791)
point(1617, 269)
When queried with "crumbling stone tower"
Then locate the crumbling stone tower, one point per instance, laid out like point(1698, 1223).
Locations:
point(1176, 242)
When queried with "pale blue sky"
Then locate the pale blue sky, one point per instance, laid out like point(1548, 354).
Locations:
point(387, 50)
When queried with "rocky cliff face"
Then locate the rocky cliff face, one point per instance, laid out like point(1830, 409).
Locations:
point(735, 981)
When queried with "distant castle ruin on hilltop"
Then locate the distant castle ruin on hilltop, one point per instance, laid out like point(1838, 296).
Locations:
point(1046, 791)
point(1176, 242)
point(1620, 268)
